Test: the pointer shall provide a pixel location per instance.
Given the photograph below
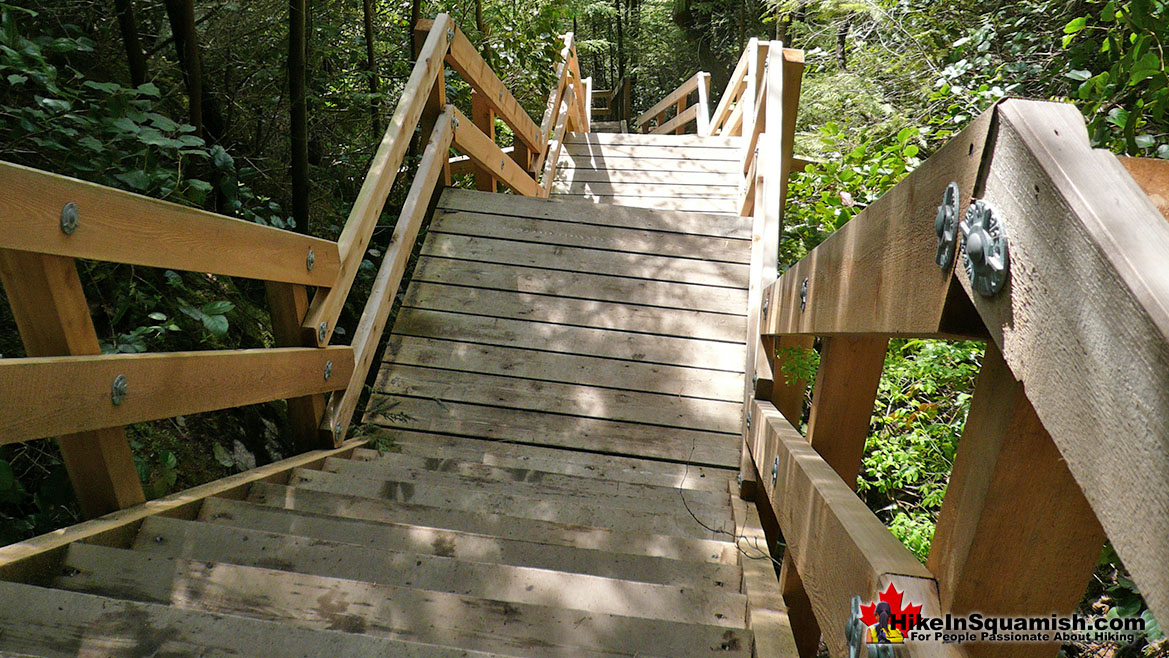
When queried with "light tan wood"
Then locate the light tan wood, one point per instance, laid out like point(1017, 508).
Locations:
point(37, 560)
point(553, 107)
point(483, 151)
point(47, 396)
point(839, 547)
point(48, 304)
point(640, 176)
point(326, 304)
point(672, 146)
point(580, 99)
point(703, 118)
point(734, 124)
point(557, 141)
point(1015, 534)
point(1153, 176)
point(600, 141)
point(753, 98)
point(129, 228)
point(64, 624)
point(671, 100)
point(315, 602)
point(645, 189)
point(369, 330)
point(724, 205)
point(1086, 308)
point(288, 304)
point(567, 339)
point(856, 286)
point(484, 119)
point(732, 93)
point(653, 160)
point(805, 629)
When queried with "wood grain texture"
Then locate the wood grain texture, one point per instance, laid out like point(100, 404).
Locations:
point(671, 99)
point(1153, 177)
point(1084, 321)
point(121, 227)
point(646, 159)
point(687, 204)
point(287, 305)
point(47, 396)
point(646, 189)
point(574, 177)
point(483, 151)
point(678, 123)
point(602, 140)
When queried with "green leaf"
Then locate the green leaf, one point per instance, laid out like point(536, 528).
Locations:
point(126, 125)
point(222, 455)
point(216, 324)
point(107, 87)
point(17, 79)
point(1145, 141)
point(90, 143)
point(159, 317)
point(135, 179)
point(218, 308)
point(1076, 25)
point(1078, 74)
point(161, 122)
point(149, 89)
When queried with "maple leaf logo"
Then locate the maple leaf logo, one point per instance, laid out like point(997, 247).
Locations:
point(909, 613)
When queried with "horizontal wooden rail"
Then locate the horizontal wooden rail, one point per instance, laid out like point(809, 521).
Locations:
point(488, 156)
point(683, 118)
point(95, 392)
point(731, 95)
point(51, 214)
point(671, 100)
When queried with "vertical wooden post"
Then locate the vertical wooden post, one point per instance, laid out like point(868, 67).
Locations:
point(679, 108)
point(805, 628)
point(747, 95)
point(484, 118)
point(1015, 535)
point(288, 304)
point(52, 315)
point(703, 116)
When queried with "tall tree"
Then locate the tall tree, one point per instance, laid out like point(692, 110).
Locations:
point(204, 109)
point(135, 56)
point(371, 70)
point(298, 113)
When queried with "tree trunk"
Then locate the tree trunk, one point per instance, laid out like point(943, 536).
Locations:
point(181, 14)
point(298, 113)
point(371, 69)
point(135, 56)
point(842, 44)
point(415, 15)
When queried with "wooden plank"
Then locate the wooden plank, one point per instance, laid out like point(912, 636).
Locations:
point(484, 120)
point(1152, 175)
point(732, 93)
point(840, 548)
point(121, 227)
point(552, 107)
point(467, 546)
point(374, 316)
point(427, 571)
point(48, 304)
point(321, 320)
point(316, 602)
point(460, 356)
point(579, 312)
point(678, 123)
point(57, 623)
point(37, 559)
point(560, 398)
point(1085, 307)
point(1012, 514)
point(288, 304)
point(876, 274)
point(550, 158)
point(517, 425)
point(581, 286)
point(669, 101)
point(703, 104)
point(305, 500)
point(602, 140)
point(585, 212)
point(675, 148)
point(691, 204)
point(653, 177)
point(567, 339)
point(654, 160)
point(586, 236)
point(734, 125)
point(483, 151)
point(559, 257)
point(47, 396)
point(646, 189)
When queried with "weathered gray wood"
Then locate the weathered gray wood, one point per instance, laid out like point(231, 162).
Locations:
point(650, 161)
point(197, 541)
point(461, 356)
point(578, 312)
point(646, 176)
point(679, 152)
point(317, 602)
point(689, 204)
point(520, 501)
point(645, 188)
point(52, 623)
point(642, 139)
point(573, 259)
point(702, 448)
point(567, 339)
point(496, 525)
point(469, 546)
point(667, 411)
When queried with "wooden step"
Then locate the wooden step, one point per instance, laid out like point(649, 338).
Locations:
point(427, 471)
point(470, 495)
point(552, 460)
point(689, 204)
point(468, 546)
point(480, 579)
point(55, 623)
point(647, 176)
point(646, 161)
point(659, 150)
point(497, 525)
point(645, 189)
point(644, 139)
point(316, 602)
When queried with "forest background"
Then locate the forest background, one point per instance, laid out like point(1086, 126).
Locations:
point(270, 111)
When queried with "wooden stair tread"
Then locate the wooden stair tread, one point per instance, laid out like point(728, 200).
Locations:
point(493, 524)
point(199, 541)
point(305, 601)
point(644, 139)
point(469, 546)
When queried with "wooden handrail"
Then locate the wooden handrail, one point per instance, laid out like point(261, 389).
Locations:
point(565, 110)
point(671, 99)
point(731, 95)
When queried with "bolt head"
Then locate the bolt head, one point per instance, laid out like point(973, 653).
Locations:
point(70, 218)
point(322, 331)
point(119, 389)
point(328, 370)
point(976, 246)
point(310, 260)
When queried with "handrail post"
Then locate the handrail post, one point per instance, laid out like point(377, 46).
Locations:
point(484, 119)
point(288, 304)
point(53, 318)
point(704, 104)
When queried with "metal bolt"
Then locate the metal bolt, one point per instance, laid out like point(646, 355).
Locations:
point(766, 303)
point(328, 370)
point(322, 330)
point(501, 95)
point(118, 390)
point(337, 429)
point(984, 249)
point(739, 479)
point(501, 161)
point(804, 294)
point(775, 471)
point(748, 419)
point(70, 217)
point(450, 34)
point(455, 123)
point(310, 260)
point(946, 227)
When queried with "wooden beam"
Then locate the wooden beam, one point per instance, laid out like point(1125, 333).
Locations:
point(732, 93)
point(48, 304)
point(120, 227)
point(368, 334)
point(484, 120)
point(552, 153)
point(486, 153)
point(580, 109)
point(1085, 308)
point(877, 274)
point(321, 320)
point(288, 304)
point(678, 122)
point(805, 628)
point(48, 396)
point(754, 83)
point(703, 103)
point(840, 548)
point(669, 101)
point(1152, 174)
point(1015, 535)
